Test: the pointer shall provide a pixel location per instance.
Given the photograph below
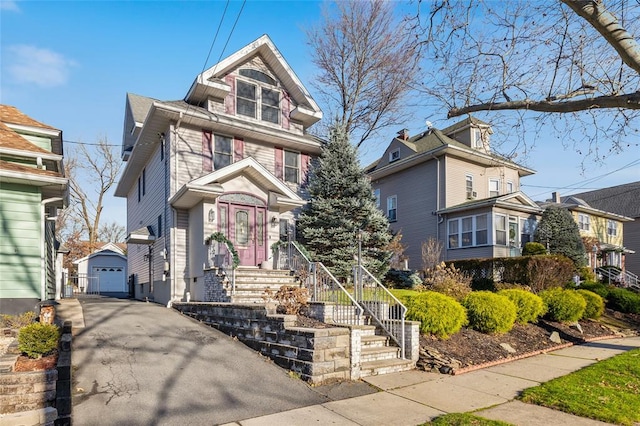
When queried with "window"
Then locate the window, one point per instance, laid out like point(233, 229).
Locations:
point(467, 231)
point(500, 225)
point(291, 166)
point(246, 99)
point(376, 194)
point(584, 222)
point(481, 230)
point(494, 187)
point(144, 181)
point(249, 95)
point(514, 232)
point(222, 152)
point(509, 187)
point(394, 155)
point(454, 238)
point(392, 208)
point(612, 227)
point(159, 226)
point(477, 138)
point(528, 229)
point(469, 187)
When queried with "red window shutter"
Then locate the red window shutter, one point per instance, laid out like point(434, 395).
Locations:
point(230, 101)
point(207, 151)
point(238, 149)
point(304, 168)
point(279, 153)
point(286, 109)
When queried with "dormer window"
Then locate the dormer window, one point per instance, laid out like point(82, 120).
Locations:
point(255, 100)
point(394, 155)
point(477, 138)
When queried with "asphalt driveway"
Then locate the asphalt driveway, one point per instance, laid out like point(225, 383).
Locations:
point(143, 364)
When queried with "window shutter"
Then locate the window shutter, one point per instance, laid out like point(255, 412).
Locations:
point(207, 151)
point(286, 109)
point(304, 168)
point(279, 152)
point(238, 149)
point(230, 101)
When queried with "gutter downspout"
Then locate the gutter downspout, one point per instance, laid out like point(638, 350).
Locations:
point(174, 213)
point(43, 271)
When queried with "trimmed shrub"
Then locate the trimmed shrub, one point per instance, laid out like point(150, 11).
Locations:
point(397, 278)
point(529, 306)
point(533, 249)
point(439, 314)
point(623, 300)
point(597, 288)
point(563, 305)
point(38, 339)
point(595, 304)
point(587, 274)
point(490, 312)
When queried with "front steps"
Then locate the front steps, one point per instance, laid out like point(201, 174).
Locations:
point(252, 284)
point(378, 355)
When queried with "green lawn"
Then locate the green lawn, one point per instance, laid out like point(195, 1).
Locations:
point(465, 419)
point(608, 391)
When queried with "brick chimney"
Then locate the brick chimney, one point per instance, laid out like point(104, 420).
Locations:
point(555, 197)
point(403, 134)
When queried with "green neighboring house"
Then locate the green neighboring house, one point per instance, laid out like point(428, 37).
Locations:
point(32, 189)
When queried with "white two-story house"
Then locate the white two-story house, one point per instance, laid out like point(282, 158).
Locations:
point(231, 157)
point(449, 185)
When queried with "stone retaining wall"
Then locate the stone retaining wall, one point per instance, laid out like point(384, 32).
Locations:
point(318, 355)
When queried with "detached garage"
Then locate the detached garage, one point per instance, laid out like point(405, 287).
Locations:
point(105, 270)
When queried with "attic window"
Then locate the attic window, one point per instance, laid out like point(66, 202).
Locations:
point(394, 155)
point(477, 138)
point(258, 76)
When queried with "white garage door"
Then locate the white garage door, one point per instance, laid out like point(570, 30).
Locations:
point(110, 278)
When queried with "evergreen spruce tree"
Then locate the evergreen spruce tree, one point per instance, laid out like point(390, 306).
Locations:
point(341, 205)
point(561, 234)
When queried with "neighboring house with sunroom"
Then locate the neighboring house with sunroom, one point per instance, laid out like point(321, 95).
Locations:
point(601, 230)
point(231, 157)
point(449, 185)
point(32, 189)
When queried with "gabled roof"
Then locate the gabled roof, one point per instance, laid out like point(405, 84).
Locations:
point(470, 120)
point(11, 114)
point(211, 83)
point(574, 203)
point(209, 187)
point(621, 199)
point(518, 201)
point(19, 122)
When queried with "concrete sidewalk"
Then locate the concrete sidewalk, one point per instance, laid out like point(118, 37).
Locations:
point(415, 397)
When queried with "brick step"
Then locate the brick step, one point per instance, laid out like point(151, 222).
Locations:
point(374, 341)
point(368, 354)
point(386, 366)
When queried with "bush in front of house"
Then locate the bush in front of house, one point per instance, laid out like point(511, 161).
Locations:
point(563, 305)
point(595, 304)
point(38, 339)
point(597, 288)
point(587, 274)
point(398, 278)
point(529, 306)
point(533, 249)
point(490, 312)
point(623, 300)
point(448, 280)
point(17, 321)
point(439, 314)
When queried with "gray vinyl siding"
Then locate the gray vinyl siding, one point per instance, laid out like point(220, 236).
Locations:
point(632, 241)
point(396, 144)
point(416, 203)
point(21, 240)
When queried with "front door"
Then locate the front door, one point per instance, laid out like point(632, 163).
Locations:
point(247, 233)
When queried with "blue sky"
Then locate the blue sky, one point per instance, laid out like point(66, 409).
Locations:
point(70, 64)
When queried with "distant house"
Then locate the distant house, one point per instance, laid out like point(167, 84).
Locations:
point(623, 200)
point(32, 189)
point(104, 270)
point(449, 185)
point(231, 157)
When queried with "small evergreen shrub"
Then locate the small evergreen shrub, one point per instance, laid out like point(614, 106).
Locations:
point(398, 278)
point(595, 304)
point(533, 249)
point(587, 274)
point(439, 314)
point(563, 305)
point(623, 300)
point(490, 312)
point(529, 306)
point(597, 288)
point(38, 339)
